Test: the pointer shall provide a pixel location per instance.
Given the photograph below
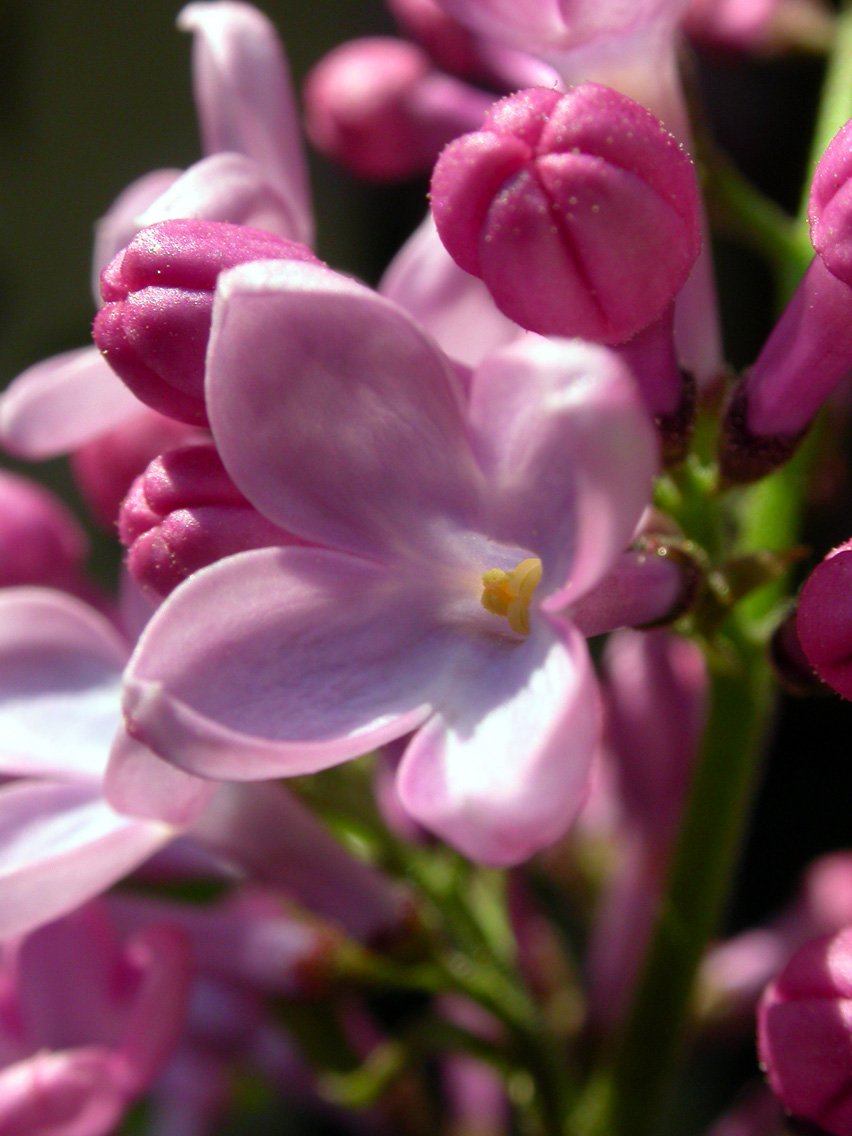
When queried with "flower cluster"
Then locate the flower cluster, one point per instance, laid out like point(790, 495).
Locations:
point(409, 758)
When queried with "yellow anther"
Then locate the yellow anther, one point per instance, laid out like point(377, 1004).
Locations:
point(509, 593)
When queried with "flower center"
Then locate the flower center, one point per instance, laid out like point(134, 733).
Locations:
point(509, 593)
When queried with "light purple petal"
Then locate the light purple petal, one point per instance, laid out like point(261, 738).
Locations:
point(284, 661)
point(57, 405)
point(61, 845)
point(501, 771)
point(333, 412)
point(60, 670)
point(120, 224)
point(245, 98)
point(140, 784)
point(224, 187)
point(570, 451)
point(453, 306)
point(73, 1093)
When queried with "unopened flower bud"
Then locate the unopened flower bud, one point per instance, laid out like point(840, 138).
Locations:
point(379, 108)
point(579, 211)
point(810, 348)
point(805, 1034)
point(40, 541)
point(183, 513)
point(158, 297)
point(824, 619)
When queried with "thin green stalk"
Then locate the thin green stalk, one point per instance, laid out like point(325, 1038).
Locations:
point(648, 1052)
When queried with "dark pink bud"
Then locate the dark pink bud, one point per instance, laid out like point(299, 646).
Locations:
point(379, 108)
point(183, 513)
point(158, 295)
point(105, 467)
point(40, 541)
point(824, 619)
point(452, 47)
point(805, 1034)
point(810, 349)
point(579, 211)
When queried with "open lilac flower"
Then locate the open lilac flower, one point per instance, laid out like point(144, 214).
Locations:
point(456, 529)
point(75, 1054)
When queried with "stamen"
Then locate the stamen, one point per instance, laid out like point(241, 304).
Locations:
point(509, 593)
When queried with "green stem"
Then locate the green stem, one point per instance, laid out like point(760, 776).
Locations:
point(647, 1055)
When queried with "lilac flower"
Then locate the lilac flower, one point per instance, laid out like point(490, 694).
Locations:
point(74, 1054)
point(158, 295)
point(40, 541)
point(71, 827)
point(805, 1034)
point(824, 619)
point(579, 211)
point(378, 107)
point(809, 351)
point(455, 536)
point(254, 174)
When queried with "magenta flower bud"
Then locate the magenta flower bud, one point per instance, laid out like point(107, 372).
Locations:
point(158, 297)
point(452, 46)
point(579, 211)
point(804, 1034)
point(105, 467)
point(183, 513)
point(810, 348)
point(824, 619)
point(40, 541)
point(379, 108)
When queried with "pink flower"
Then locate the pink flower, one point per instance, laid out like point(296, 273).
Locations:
point(824, 619)
point(579, 211)
point(254, 174)
point(805, 1033)
point(158, 295)
point(810, 348)
point(40, 541)
point(76, 1053)
point(185, 512)
point(380, 109)
point(420, 612)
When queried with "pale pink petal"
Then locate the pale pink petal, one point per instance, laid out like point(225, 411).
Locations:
point(60, 668)
point(61, 844)
point(164, 961)
point(501, 771)
point(283, 661)
point(120, 224)
point(295, 347)
point(62, 402)
point(61, 1094)
point(245, 98)
point(570, 453)
point(453, 306)
point(140, 784)
point(224, 187)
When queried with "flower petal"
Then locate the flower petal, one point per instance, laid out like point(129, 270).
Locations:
point(60, 668)
point(61, 845)
point(60, 403)
point(333, 412)
point(455, 307)
point(501, 771)
point(570, 451)
point(224, 187)
point(284, 661)
point(140, 784)
point(68, 1093)
point(245, 98)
